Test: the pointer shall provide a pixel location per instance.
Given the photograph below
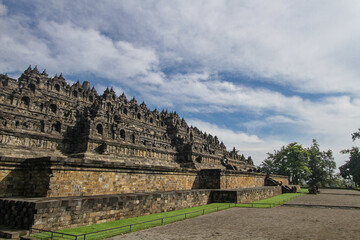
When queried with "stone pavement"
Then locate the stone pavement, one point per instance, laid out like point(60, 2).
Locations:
point(334, 198)
point(285, 222)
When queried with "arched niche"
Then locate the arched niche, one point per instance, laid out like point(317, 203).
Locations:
point(99, 129)
point(56, 127)
point(32, 87)
point(75, 93)
point(122, 134)
point(25, 101)
point(53, 108)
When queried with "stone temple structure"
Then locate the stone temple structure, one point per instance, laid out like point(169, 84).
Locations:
point(70, 157)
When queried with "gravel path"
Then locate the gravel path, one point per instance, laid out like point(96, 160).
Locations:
point(284, 222)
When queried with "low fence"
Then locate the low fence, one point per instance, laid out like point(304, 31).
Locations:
point(47, 234)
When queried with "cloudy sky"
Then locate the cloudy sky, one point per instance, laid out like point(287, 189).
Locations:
point(259, 75)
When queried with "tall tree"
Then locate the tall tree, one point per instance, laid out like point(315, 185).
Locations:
point(330, 166)
point(317, 165)
point(291, 161)
point(302, 164)
point(351, 169)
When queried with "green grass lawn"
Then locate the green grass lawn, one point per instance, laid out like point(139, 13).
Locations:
point(303, 190)
point(169, 217)
point(271, 202)
point(165, 218)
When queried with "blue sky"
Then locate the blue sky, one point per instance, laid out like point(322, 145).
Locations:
point(259, 75)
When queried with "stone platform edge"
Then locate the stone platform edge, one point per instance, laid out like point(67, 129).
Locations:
point(65, 212)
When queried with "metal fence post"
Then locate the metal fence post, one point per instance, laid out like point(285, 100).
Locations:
point(84, 236)
point(203, 211)
point(130, 227)
point(162, 221)
point(52, 234)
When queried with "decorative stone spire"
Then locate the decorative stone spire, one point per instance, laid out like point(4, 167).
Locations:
point(35, 70)
point(143, 105)
point(133, 101)
point(93, 90)
point(123, 98)
point(77, 82)
point(44, 73)
point(28, 70)
point(86, 85)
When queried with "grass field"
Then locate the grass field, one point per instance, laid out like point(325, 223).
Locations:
point(271, 202)
point(303, 190)
point(161, 218)
point(157, 219)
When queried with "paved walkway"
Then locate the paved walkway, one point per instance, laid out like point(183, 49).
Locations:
point(330, 198)
point(286, 222)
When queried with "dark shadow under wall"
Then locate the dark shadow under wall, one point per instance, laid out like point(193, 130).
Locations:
point(209, 178)
point(25, 177)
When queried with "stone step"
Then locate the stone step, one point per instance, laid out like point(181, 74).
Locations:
point(11, 233)
point(27, 238)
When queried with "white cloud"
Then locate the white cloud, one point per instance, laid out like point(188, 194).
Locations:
point(301, 44)
point(87, 50)
point(72, 49)
point(309, 47)
point(3, 9)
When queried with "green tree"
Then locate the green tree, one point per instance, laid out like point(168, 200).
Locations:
point(302, 164)
point(321, 165)
point(291, 161)
point(351, 169)
point(267, 166)
point(340, 182)
point(330, 166)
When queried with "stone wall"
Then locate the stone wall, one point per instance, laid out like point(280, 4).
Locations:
point(255, 194)
point(59, 177)
point(57, 213)
point(87, 182)
point(245, 195)
point(283, 179)
point(12, 177)
point(234, 180)
point(229, 179)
